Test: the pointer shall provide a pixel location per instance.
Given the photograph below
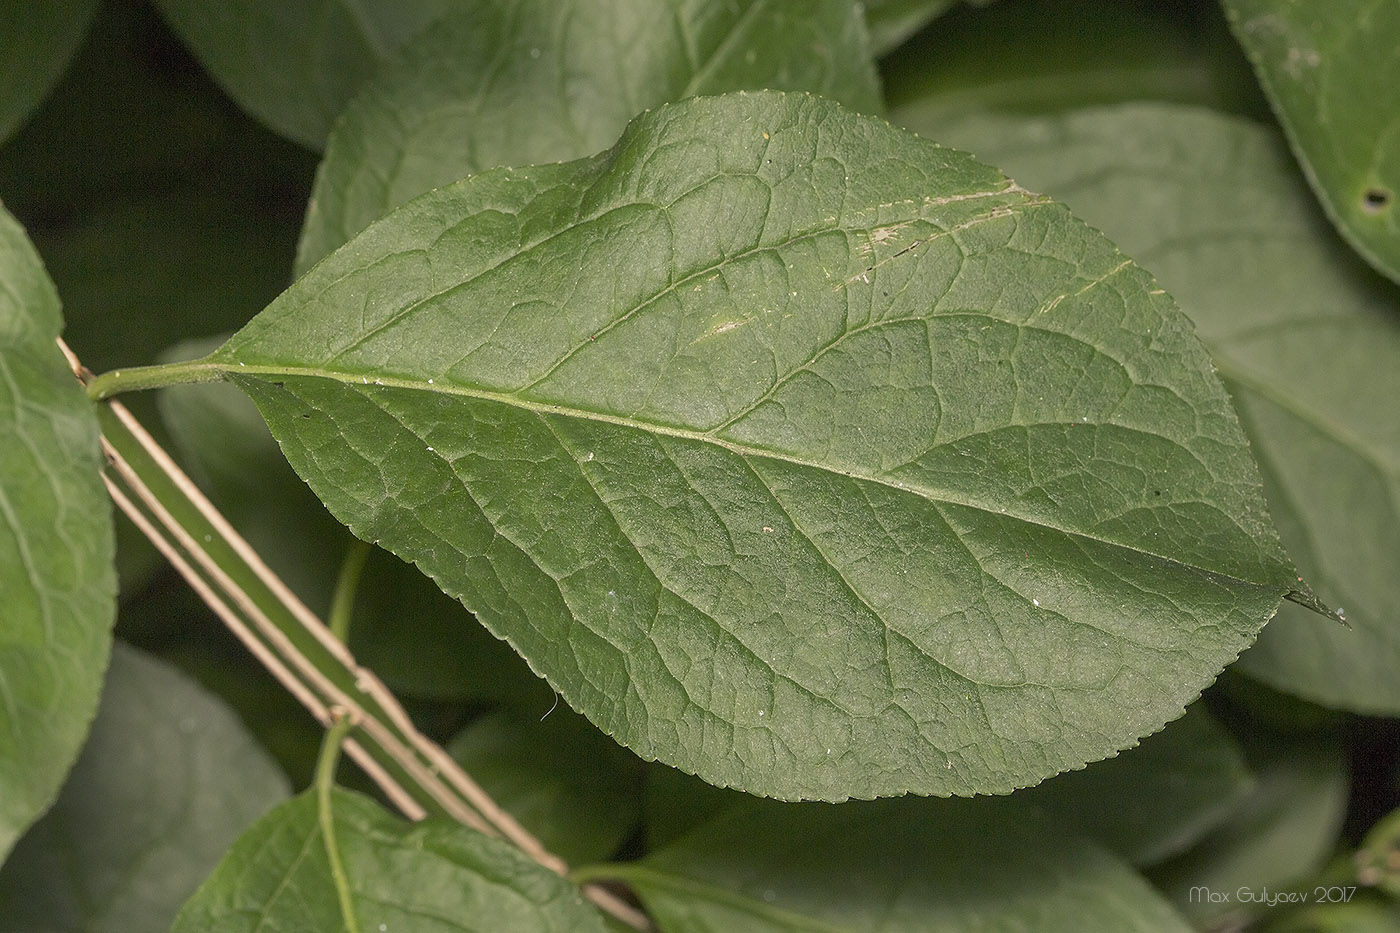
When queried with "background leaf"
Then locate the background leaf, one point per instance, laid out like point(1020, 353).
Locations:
point(1307, 339)
point(1154, 800)
point(893, 21)
point(1035, 56)
point(167, 781)
point(897, 865)
point(430, 877)
point(566, 782)
point(521, 82)
point(40, 39)
point(293, 64)
point(1332, 71)
point(1281, 833)
point(56, 547)
point(795, 451)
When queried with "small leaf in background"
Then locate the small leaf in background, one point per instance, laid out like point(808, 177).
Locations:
point(166, 783)
point(796, 451)
point(434, 876)
point(1035, 56)
point(892, 21)
point(1355, 916)
point(1306, 337)
point(523, 82)
point(423, 643)
point(674, 803)
point(571, 786)
point(135, 119)
point(56, 550)
point(1281, 833)
point(1331, 69)
point(1154, 800)
point(293, 64)
point(1378, 858)
point(946, 865)
point(40, 39)
point(1145, 804)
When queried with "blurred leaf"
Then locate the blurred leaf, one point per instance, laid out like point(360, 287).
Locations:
point(1036, 56)
point(1281, 833)
point(1331, 69)
point(141, 274)
point(521, 82)
point(1378, 858)
point(434, 876)
point(1353, 916)
point(40, 39)
point(1154, 800)
point(674, 803)
point(57, 584)
point(571, 786)
point(166, 783)
point(893, 21)
point(823, 464)
point(422, 642)
point(133, 117)
point(958, 865)
point(1306, 338)
point(294, 64)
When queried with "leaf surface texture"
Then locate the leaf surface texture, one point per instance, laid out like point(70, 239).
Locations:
point(794, 450)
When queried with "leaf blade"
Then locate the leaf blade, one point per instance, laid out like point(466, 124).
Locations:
point(1324, 67)
point(433, 875)
point(294, 66)
point(167, 782)
point(517, 82)
point(56, 550)
point(1304, 335)
point(873, 866)
point(706, 482)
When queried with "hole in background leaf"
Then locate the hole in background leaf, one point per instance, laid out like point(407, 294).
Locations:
point(1375, 200)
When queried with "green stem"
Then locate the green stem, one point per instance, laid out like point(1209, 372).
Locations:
point(325, 816)
point(343, 601)
point(135, 378)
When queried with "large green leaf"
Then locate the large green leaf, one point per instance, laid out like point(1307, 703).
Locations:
point(294, 64)
point(40, 38)
point(1331, 69)
point(516, 82)
point(166, 783)
point(1306, 337)
point(430, 877)
point(56, 576)
point(939, 865)
point(796, 451)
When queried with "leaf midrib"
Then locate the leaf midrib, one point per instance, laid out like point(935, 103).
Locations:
point(738, 449)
